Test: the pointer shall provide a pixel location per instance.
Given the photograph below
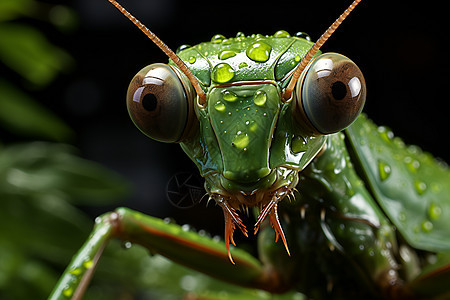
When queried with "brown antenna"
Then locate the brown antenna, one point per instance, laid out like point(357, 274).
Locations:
point(307, 58)
point(200, 93)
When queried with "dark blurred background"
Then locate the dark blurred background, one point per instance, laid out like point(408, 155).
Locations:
point(401, 49)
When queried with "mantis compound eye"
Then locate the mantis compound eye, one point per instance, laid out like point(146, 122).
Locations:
point(159, 105)
point(332, 93)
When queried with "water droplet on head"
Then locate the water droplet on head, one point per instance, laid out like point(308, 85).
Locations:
point(182, 47)
point(192, 59)
point(226, 54)
point(259, 51)
point(243, 65)
point(218, 38)
point(260, 98)
point(281, 33)
point(303, 35)
point(253, 127)
point(227, 42)
point(241, 140)
point(219, 106)
point(222, 73)
point(229, 96)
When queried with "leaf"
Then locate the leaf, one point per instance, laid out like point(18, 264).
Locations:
point(11, 9)
point(39, 169)
point(21, 115)
point(27, 51)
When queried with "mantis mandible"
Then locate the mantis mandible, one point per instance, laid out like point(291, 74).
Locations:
point(273, 123)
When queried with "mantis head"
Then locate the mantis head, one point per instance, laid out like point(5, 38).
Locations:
point(251, 113)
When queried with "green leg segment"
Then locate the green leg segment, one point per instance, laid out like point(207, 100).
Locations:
point(187, 248)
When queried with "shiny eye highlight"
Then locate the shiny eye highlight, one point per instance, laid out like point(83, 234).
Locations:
point(332, 93)
point(159, 105)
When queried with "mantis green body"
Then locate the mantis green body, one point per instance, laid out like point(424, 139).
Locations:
point(360, 213)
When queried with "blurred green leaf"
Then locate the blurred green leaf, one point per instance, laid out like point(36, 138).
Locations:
point(11, 9)
point(40, 169)
point(21, 115)
point(40, 228)
point(27, 51)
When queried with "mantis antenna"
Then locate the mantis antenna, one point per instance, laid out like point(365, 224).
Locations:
point(307, 58)
point(198, 89)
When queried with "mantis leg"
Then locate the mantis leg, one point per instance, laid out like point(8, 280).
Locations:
point(187, 248)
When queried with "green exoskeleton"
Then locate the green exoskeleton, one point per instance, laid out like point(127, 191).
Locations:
point(273, 123)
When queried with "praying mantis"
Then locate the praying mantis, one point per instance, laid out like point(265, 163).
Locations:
point(273, 123)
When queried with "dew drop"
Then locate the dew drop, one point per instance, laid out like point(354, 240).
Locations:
point(229, 96)
point(168, 220)
point(303, 35)
point(186, 227)
point(259, 51)
point(241, 140)
point(88, 264)
point(281, 33)
point(420, 186)
point(243, 65)
point(412, 164)
point(226, 54)
point(217, 39)
point(427, 226)
point(192, 59)
point(222, 73)
point(386, 134)
point(434, 211)
point(240, 34)
point(76, 271)
point(219, 106)
point(182, 47)
point(384, 170)
point(68, 292)
point(260, 98)
point(253, 127)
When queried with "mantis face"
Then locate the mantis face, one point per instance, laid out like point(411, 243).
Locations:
point(251, 112)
